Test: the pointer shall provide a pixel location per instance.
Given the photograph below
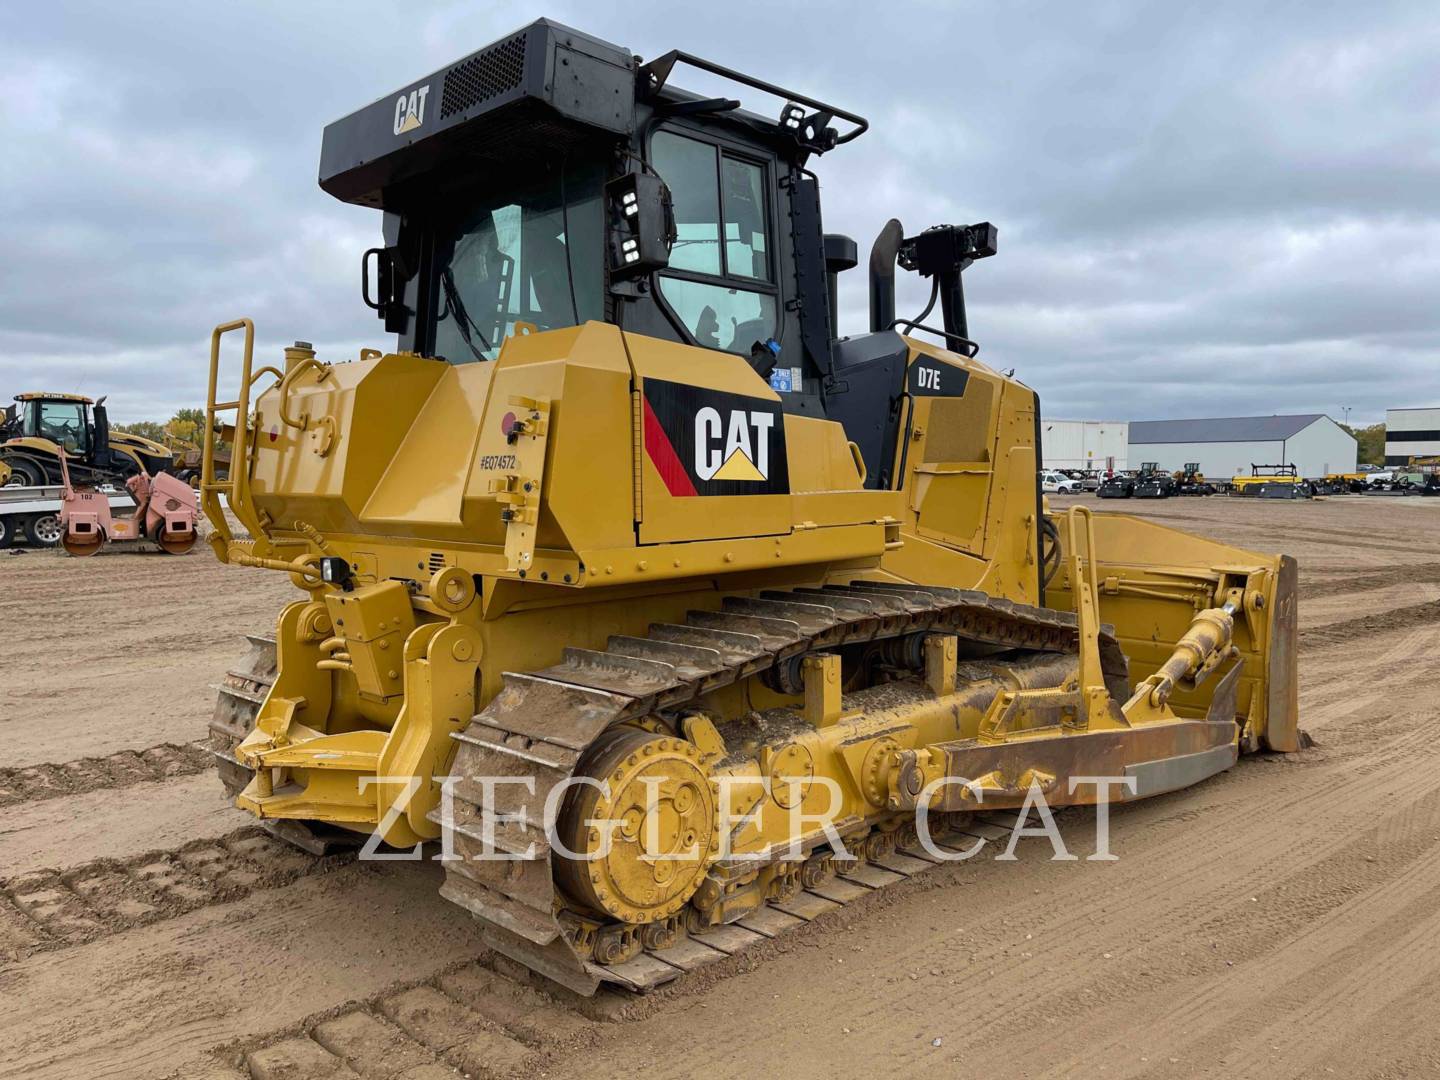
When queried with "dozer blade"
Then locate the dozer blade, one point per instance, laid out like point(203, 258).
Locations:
point(1154, 576)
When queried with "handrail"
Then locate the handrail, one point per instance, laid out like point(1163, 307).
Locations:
point(237, 485)
point(287, 382)
point(1085, 587)
point(1092, 575)
point(657, 73)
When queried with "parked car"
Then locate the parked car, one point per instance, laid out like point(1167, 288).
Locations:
point(1054, 483)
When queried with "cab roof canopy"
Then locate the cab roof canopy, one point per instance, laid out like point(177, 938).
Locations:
point(41, 396)
point(543, 91)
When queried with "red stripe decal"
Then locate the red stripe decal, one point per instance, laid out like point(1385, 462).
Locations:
point(662, 455)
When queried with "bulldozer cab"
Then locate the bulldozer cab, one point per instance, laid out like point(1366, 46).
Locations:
point(494, 221)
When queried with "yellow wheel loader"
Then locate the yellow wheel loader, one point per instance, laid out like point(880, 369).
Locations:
point(671, 614)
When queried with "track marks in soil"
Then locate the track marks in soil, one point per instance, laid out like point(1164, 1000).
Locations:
point(468, 1021)
point(1348, 631)
point(449, 1024)
point(1344, 933)
point(34, 783)
point(52, 908)
point(1347, 582)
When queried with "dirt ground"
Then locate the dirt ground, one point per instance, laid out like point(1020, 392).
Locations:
point(1280, 920)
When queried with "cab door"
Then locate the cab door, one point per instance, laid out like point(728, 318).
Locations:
point(711, 458)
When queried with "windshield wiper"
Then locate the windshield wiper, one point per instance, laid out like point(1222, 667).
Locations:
point(463, 322)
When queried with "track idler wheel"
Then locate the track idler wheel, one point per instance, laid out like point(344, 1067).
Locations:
point(652, 796)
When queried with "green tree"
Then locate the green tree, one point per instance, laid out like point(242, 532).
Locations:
point(147, 429)
point(182, 428)
point(194, 417)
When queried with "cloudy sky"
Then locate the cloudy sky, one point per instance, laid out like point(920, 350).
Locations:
point(1204, 210)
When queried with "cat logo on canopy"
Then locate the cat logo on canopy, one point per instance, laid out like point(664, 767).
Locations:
point(709, 442)
point(410, 109)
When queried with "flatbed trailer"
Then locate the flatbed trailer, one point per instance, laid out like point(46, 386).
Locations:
point(34, 513)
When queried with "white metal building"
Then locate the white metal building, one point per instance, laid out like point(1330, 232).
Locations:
point(1411, 433)
point(1228, 446)
point(1085, 444)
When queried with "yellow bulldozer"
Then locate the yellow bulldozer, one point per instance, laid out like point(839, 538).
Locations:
point(664, 608)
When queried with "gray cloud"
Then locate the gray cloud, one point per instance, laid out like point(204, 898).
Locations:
point(1203, 210)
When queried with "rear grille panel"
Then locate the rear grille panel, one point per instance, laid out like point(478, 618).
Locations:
point(493, 72)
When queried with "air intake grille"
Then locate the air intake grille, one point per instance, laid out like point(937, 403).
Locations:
point(437, 562)
point(493, 72)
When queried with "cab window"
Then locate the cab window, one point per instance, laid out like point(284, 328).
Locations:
point(63, 422)
point(528, 252)
point(720, 278)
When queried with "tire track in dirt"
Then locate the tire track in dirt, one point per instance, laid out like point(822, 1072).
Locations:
point(49, 909)
point(148, 1001)
point(1349, 582)
point(1348, 631)
point(1338, 939)
point(503, 993)
point(1121, 964)
point(118, 652)
point(35, 783)
point(471, 1020)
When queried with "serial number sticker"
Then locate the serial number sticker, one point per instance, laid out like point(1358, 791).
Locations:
point(497, 461)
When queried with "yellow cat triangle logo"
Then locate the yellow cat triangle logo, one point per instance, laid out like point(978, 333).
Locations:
point(410, 123)
point(738, 467)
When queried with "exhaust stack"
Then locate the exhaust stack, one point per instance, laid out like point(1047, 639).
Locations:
point(883, 254)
